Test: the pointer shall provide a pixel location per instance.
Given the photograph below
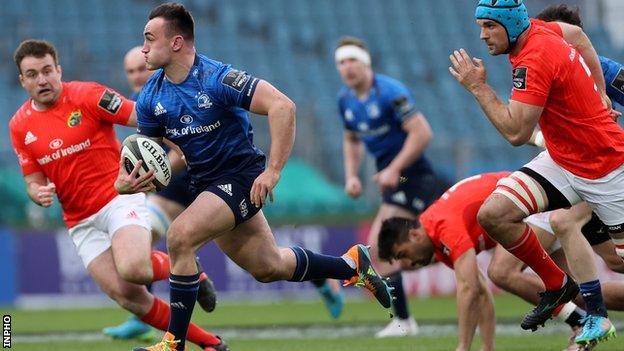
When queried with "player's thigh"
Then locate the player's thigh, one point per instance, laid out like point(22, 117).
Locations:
point(127, 222)
point(386, 211)
point(564, 220)
point(131, 248)
point(606, 197)
point(251, 245)
point(538, 186)
point(204, 220)
point(606, 251)
point(103, 271)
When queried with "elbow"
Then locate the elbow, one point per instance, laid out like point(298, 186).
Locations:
point(428, 136)
point(519, 139)
point(289, 106)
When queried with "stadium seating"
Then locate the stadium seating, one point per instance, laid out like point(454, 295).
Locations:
point(290, 43)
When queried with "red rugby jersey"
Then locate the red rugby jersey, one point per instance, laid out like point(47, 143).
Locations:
point(580, 134)
point(451, 221)
point(73, 144)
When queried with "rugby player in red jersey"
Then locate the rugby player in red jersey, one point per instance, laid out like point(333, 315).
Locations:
point(448, 232)
point(64, 139)
point(552, 86)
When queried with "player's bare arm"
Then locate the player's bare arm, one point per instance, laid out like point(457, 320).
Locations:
point(269, 101)
point(469, 292)
point(575, 36)
point(131, 183)
point(515, 121)
point(39, 190)
point(419, 135)
point(487, 319)
point(353, 149)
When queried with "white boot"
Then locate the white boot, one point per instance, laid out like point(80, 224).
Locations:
point(399, 327)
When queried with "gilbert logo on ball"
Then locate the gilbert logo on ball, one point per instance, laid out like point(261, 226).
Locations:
point(139, 147)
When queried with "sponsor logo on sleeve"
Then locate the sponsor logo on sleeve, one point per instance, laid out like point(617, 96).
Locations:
point(235, 79)
point(519, 78)
point(110, 101)
point(618, 81)
point(402, 105)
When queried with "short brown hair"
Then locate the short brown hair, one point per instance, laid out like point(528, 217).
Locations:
point(178, 18)
point(349, 40)
point(561, 13)
point(35, 48)
point(393, 231)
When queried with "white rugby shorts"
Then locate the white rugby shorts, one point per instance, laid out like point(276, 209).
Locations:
point(542, 221)
point(604, 195)
point(93, 235)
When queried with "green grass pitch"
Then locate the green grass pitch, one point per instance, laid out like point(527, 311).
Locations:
point(28, 326)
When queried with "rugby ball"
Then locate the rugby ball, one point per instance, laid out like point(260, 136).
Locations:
point(139, 147)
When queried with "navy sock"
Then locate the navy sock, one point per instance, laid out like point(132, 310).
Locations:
point(313, 266)
point(400, 304)
point(592, 295)
point(318, 283)
point(182, 299)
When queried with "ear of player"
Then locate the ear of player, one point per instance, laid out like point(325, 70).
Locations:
point(138, 147)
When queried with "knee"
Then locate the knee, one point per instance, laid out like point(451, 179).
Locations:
point(126, 296)
point(135, 272)
point(498, 276)
point(559, 224)
point(488, 217)
point(265, 273)
point(179, 239)
point(615, 263)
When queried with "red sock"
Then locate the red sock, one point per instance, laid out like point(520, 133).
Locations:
point(529, 250)
point(158, 317)
point(160, 265)
point(557, 310)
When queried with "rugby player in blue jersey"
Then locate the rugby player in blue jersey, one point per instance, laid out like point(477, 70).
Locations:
point(380, 113)
point(201, 105)
point(163, 207)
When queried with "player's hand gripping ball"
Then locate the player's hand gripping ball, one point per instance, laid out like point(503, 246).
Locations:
point(139, 147)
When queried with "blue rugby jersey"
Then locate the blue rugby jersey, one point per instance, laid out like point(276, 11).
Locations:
point(377, 120)
point(614, 77)
point(205, 116)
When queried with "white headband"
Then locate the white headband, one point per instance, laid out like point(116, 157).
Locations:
point(352, 52)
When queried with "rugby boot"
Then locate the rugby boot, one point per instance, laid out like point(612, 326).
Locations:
point(132, 328)
point(550, 299)
point(206, 295)
point(168, 343)
point(222, 346)
point(367, 276)
point(595, 329)
point(332, 297)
